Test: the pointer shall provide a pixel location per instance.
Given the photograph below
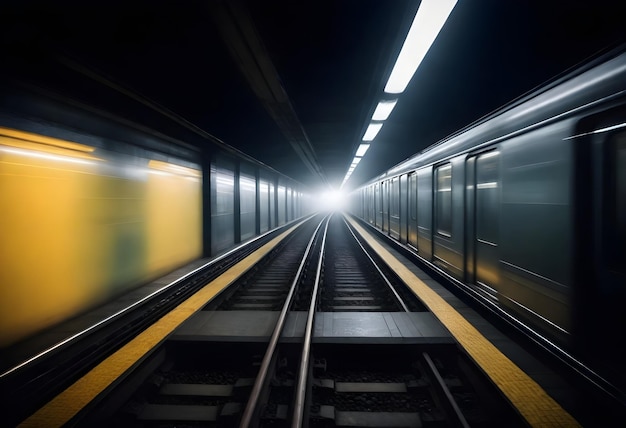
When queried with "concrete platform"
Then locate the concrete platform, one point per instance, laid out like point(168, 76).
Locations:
point(330, 327)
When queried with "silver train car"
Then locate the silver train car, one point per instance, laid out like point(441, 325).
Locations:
point(526, 208)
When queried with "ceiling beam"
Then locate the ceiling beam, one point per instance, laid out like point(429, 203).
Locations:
point(248, 51)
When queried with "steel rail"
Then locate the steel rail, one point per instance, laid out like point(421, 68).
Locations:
point(251, 405)
point(298, 408)
point(380, 272)
point(460, 419)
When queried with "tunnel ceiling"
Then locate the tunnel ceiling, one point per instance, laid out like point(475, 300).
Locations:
point(293, 83)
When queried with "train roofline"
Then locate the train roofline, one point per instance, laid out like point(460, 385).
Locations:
point(597, 80)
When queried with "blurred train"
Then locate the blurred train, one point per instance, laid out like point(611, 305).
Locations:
point(525, 209)
point(92, 206)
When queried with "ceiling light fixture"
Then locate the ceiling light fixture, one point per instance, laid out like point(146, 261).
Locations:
point(428, 22)
point(372, 131)
point(383, 109)
point(362, 149)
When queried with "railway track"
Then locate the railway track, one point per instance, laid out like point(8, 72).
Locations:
point(354, 282)
point(297, 381)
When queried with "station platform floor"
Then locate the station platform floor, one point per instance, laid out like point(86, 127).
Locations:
point(330, 327)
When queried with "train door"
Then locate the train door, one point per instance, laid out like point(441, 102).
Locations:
point(363, 204)
point(369, 204)
point(272, 197)
point(443, 215)
point(483, 220)
point(614, 211)
point(394, 207)
point(412, 209)
point(385, 205)
point(404, 225)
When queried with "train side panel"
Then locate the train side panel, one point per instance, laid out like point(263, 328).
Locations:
point(378, 206)
point(537, 233)
point(448, 233)
point(273, 205)
point(384, 190)
point(483, 219)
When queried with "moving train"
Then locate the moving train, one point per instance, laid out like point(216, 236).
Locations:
point(526, 208)
point(92, 206)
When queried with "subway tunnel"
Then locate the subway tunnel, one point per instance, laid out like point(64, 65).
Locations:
point(146, 148)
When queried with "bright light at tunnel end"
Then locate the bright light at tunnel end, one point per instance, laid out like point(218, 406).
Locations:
point(333, 200)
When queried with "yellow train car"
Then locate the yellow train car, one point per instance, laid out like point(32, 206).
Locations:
point(79, 225)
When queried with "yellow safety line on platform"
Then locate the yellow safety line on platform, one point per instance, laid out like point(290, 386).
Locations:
point(67, 404)
point(531, 401)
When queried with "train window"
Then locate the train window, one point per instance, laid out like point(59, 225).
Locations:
point(487, 200)
point(289, 212)
point(264, 214)
point(443, 200)
point(247, 197)
point(394, 209)
point(413, 196)
point(282, 204)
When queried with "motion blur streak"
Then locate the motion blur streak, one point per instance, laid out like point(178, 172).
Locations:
point(74, 234)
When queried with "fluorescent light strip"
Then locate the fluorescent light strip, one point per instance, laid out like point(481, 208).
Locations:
point(362, 149)
point(38, 155)
point(384, 109)
point(173, 168)
point(428, 22)
point(372, 131)
point(157, 172)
